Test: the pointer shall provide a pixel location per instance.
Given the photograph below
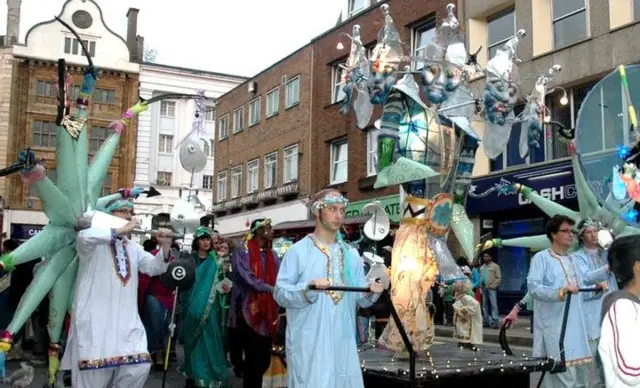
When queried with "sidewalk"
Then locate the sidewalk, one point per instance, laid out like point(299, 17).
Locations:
point(518, 335)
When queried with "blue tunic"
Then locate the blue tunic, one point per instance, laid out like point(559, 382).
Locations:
point(320, 345)
point(593, 268)
point(547, 276)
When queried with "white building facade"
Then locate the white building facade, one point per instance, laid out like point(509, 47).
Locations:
point(163, 127)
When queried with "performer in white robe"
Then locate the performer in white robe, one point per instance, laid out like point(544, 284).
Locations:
point(107, 345)
point(554, 274)
point(320, 344)
point(592, 263)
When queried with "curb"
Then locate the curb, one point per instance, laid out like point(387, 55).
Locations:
point(492, 336)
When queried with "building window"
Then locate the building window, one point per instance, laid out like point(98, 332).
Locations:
point(501, 27)
point(165, 144)
point(636, 9)
point(205, 145)
point(236, 181)
point(107, 186)
point(254, 111)
point(44, 133)
point(292, 92)
point(104, 96)
point(45, 89)
point(253, 175)
point(210, 114)
point(273, 102)
point(164, 178)
point(74, 92)
point(422, 36)
point(337, 94)
point(290, 172)
point(270, 170)
point(339, 161)
point(223, 127)
point(207, 182)
point(97, 137)
point(372, 152)
point(356, 6)
point(72, 46)
point(168, 109)
point(551, 148)
point(221, 192)
point(569, 22)
point(238, 120)
point(52, 174)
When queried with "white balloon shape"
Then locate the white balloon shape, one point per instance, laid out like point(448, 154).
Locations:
point(184, 216)
point(377, 269)
point(378, 226)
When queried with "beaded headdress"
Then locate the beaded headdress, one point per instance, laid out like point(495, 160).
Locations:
point(329, 200)
point(585, 224)
point(118, 204)
point(256, 225)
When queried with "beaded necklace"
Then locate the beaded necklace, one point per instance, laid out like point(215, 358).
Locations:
point(121, 262)
point(566, 274)
point(336, 296)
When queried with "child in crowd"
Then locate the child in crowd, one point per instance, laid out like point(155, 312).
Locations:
point(467, 316)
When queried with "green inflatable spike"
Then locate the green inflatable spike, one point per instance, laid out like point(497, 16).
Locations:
point(404, 170)
point(100, 167)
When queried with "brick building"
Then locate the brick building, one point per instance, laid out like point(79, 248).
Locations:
point(344, 153)
point(262, 153)
point(33, 103)
point(266, 163)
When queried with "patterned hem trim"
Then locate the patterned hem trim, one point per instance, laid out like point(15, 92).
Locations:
point(580, 361)
point(114, 362)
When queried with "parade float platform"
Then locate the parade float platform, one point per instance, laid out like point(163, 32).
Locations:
point(450, 366)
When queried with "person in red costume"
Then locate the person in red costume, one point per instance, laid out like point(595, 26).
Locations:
point(253, 313)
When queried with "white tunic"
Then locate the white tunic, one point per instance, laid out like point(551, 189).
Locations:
point(467, 320)
point(106, 330)
point(619, 346)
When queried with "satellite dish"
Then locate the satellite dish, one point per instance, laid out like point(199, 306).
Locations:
point(192, 157)
point(377, 269)
point(184, 217)
point(378, 226)
point(372, 258)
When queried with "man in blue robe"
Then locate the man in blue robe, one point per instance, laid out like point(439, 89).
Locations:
point(320, 345)
point(592, 263)
point(553, 274)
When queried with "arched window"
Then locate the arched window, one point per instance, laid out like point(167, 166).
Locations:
point(206, 147)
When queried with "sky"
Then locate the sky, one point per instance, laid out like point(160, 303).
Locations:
point(240, 37)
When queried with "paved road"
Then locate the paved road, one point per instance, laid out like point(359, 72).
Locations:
point(175, 380)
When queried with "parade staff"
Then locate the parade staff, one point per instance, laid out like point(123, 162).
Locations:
point(552, 276)
point(107, 344)
point(321, 348)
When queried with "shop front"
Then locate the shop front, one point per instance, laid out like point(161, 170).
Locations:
point(390, 203)
point(507, 214)
point(23, 232)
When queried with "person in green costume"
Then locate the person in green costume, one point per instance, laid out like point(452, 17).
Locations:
point(205, 364)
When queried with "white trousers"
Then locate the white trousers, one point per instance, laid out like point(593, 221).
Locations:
point(126, 376)
point(575, 377)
